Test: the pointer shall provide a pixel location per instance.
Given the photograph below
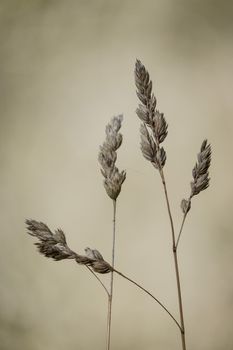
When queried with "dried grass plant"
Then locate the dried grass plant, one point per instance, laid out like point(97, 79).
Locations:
point(153, 130)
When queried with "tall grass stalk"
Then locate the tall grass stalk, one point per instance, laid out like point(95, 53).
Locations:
point(110, 296)
point(174, 249)
point(154, 130)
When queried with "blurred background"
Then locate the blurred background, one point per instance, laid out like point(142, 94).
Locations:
point(66, 67)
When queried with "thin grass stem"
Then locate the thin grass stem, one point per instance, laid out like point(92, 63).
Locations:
point(94, 274)
point(110, 296)
point(181, 229)
point(182, 225)
point(182, 330)
point(151, 295)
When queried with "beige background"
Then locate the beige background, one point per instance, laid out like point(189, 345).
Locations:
point(66, 69)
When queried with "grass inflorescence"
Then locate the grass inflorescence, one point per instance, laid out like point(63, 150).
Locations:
point(153, 132)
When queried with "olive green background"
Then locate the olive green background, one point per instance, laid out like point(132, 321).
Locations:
point(66, 67)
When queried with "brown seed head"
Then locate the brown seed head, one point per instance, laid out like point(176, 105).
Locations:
point(152, 119)
point(53, 245)
point(113, 178)
point(201, 170)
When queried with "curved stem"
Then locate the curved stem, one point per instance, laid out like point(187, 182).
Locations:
point(93, 273)
point(110, 296)
point(151, 295)
point(175, 262)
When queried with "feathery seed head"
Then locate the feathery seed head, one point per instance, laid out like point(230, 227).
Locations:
point(159, 126)
point(185, 205)
point(151, 117)
point(143, 83)
point(148, 145)
point(113, 179)
point(53, 245)
point(201, 170)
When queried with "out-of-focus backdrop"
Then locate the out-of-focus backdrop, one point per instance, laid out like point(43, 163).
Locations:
point(66, 68)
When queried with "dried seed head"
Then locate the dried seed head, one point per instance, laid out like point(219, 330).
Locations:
point(201, 170)
point(152, 118)
point(143, 114)
point(159, 126)
point(113, 178)
point(53, 245)
point(101, 266)
point(146, 110)
point(185, 205)
point(150, 150)
point(96, 261)
point(93, 254)
point(161, 157)
point(113, 182)
point(143, 83)
point(148, 145)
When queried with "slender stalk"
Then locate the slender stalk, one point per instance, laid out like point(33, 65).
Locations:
point(102, 284)
point(110, 296)
point(182, 330)
point(182, 224)
point(151, 295)
point(181, 229)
